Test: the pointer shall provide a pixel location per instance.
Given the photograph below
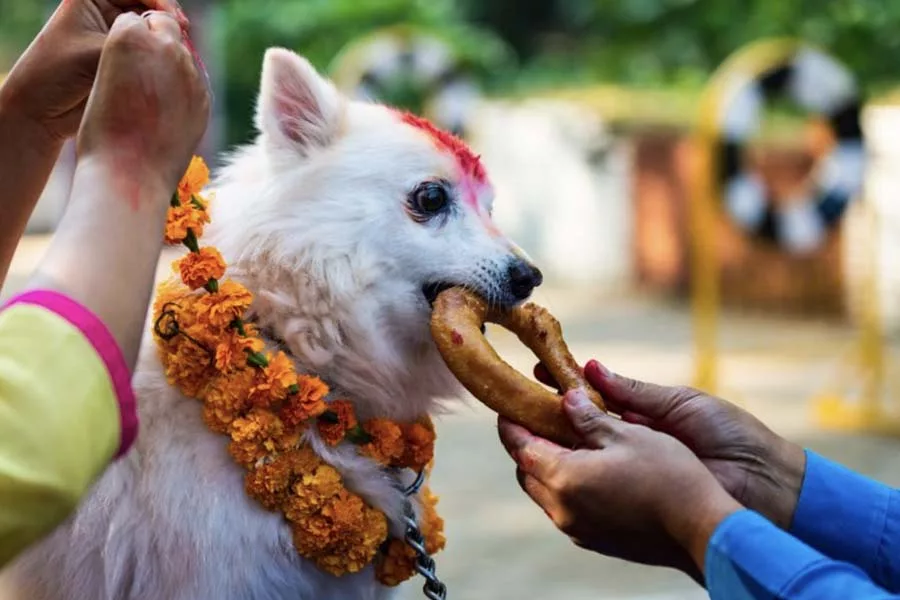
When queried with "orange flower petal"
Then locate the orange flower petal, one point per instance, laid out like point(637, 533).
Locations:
point(182, 218)
point(387, 441)
point(333, 433)
point(308, 403)
point(197, 268)
point(195, 179)
point(220, 309)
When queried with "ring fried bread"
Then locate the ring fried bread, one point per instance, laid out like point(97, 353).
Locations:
point(456, 326)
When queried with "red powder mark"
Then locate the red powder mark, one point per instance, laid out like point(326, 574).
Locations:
point(456, 337)
point(526, 461)
point(138, 111)
point(469, 195)
point(125, 182)
point(468, 161)
point(130, 186)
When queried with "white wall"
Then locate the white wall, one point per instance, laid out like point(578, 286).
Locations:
point(882, 129)
point(571, 214)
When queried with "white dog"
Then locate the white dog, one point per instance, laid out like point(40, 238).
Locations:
point(344, 219)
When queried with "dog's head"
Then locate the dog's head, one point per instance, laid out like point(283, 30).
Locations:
point(365, 213)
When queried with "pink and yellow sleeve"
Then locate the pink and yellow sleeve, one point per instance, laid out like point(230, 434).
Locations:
point(66, 410)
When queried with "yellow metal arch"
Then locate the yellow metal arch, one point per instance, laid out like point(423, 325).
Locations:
point(746, 64)
point(832, 408)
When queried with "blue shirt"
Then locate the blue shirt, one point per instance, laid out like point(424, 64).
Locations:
point(844, 544)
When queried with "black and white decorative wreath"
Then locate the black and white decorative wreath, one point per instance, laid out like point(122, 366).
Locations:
point(819, 85)
point(425, 63)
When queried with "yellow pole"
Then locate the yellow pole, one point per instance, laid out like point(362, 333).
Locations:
point(744, 65)
point(704, 256)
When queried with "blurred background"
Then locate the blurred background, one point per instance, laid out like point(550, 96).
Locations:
point(731, 224)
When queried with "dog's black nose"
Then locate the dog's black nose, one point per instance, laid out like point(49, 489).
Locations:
point(523, 278)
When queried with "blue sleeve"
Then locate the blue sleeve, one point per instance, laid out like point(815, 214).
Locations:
point(749, 558)
point(850, 518)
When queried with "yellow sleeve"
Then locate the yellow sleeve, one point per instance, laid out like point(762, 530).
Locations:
point(64, 413)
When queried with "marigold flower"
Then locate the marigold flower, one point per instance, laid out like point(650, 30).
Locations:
point(194, 180)
point(343, 537)
point(322, 530)
point(169, 292)
point(312, 535)
point(345, 512)
point(173, 314)
point(221, 308)
point(312, 491)
point(387, 441)
point(231, 352)
point(396, 564)
point(308, 403)
point(357, 548)
point(182, 218)
point(270, 484)
point(226, 399)
point(256, 436)
point(431, 523)
point(418, 446)
point(273, 382)
point(188, 365)
point(333, 433)
point(197, 268)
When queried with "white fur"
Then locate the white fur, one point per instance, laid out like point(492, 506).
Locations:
point(311, 218)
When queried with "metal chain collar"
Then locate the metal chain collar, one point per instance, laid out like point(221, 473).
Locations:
point(434, 588)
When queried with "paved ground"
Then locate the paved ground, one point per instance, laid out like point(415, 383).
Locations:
point(501, 547)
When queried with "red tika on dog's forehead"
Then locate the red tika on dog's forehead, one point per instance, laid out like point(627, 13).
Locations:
point(468, 161)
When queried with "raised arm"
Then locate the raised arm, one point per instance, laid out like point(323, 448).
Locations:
point(68, 344)
point(42, 102)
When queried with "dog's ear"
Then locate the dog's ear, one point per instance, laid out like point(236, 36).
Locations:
point(297, 108)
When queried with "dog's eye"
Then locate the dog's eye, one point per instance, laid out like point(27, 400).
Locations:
point(430, 198)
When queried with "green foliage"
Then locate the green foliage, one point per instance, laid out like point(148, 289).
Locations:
point(19, 23)
point(320, 29)
point(557, 43)
point(681, 42)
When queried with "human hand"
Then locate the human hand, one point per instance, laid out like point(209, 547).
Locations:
point(148, 109)
point(49, 85)
point(628, 492)
point(762, 470)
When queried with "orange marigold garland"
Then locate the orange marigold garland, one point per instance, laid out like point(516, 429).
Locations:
point(264, 406)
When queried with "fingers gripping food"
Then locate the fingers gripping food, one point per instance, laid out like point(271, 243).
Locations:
point(456, 325)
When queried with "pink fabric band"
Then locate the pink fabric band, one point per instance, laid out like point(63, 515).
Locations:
point(104, 343)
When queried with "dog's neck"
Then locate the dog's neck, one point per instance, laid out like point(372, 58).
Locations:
point(352, 341)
